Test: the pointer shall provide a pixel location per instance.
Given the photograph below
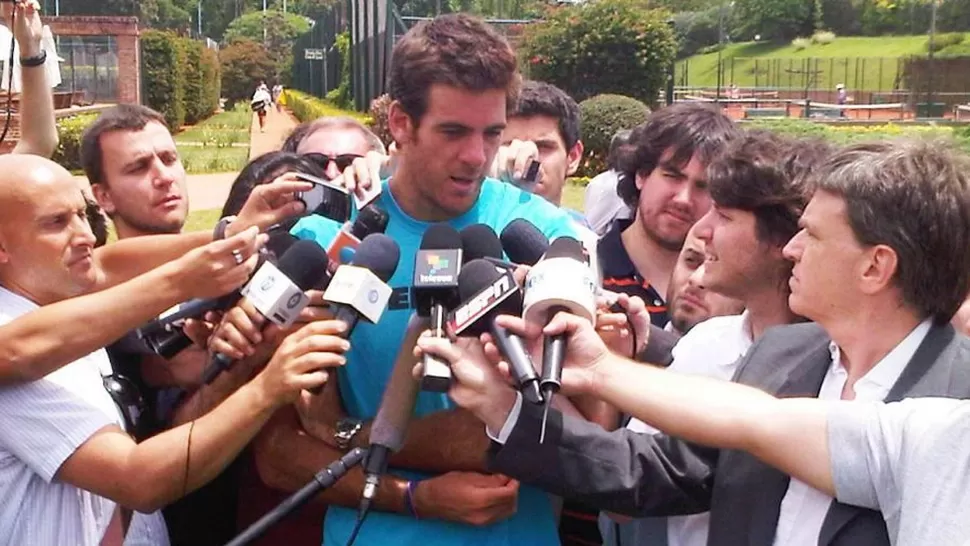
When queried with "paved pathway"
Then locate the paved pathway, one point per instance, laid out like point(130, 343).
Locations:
point(209, 191)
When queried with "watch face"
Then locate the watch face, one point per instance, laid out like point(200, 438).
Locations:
point(347, 426)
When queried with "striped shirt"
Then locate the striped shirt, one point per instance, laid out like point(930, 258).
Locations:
point(42, 423)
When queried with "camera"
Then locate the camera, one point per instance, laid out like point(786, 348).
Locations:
point(326, 199)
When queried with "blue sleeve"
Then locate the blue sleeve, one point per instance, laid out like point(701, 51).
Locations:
point(316, 228)
point(554, 222)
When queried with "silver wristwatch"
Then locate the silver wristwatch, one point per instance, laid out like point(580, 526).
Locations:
point(345, 431)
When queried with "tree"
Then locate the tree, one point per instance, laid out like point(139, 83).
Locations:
point(281, 30)
point(773, 19)
point(244, 64)
point(608, 46)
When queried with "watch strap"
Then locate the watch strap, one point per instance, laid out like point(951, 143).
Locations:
point(36, 60)
point(220, 231)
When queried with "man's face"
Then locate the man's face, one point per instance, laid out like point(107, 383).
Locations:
point(690, 300)
point(334, 142)
point(828, 261)
point(452, 147)
point(144, 189)
point(737, 261)
point(672, 198)
point(46, 242)
point(557, 161)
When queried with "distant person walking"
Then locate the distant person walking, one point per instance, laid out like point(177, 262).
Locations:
point(277, 96)
point(261, 103)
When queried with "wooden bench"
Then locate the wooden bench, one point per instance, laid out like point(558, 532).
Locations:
point(765, 113)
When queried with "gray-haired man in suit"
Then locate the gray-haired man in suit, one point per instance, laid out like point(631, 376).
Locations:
point(880, 266)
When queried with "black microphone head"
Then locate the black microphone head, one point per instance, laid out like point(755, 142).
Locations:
point(480, 241)
point(304, 263)
point(441, 237)
point(566, 247)
point(370, 219)
point(378, 253)
point(475, 276)
point(279, 242)
point(523, 242)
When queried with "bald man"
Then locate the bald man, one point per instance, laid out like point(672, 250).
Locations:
point(67, 457)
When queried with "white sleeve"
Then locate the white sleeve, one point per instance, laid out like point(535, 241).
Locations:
point(513, 418)
point(869, 444)
point(42, 423)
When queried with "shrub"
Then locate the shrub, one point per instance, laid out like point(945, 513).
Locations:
point(195, 103)
point(943, 41)
point(697, 29)
point(603, 116)
point(244, 63)
point(163, 70)
point(609, 46)
point(800, 43)
point(69, 131)
point(212, 80)
point(823, 37)
point(341, 95)
point(307, 107)
point(378, 114)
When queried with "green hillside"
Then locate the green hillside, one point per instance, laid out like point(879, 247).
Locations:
point(867, 63)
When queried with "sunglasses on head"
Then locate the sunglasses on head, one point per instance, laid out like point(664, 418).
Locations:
point(323, 160)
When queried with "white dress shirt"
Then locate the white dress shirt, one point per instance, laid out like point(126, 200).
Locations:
point(803, 509)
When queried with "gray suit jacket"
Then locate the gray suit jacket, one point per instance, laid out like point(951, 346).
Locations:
point(644, 475)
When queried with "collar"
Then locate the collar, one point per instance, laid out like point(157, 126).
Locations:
point(885, 373)
point(613, 255)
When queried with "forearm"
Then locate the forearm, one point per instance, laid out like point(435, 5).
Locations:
point(158, 465)
point(288, 458)
point(38, 128)
point(123, 260)
point(440, 442)
point(38, 343)
point(597, 411)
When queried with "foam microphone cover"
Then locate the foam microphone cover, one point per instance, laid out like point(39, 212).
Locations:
point(378, 253)
point(304, 262)
point(441, 237)
point(523, 242)
point(480, 241)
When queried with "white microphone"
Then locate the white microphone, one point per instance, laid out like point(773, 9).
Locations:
point(561, 282)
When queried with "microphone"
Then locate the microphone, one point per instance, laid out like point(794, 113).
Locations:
point(523, 242)
point(487, 292)
point(479, 242)
point(561, 282)
point(359, 290)
point(370, 219)
point(278, 292)
point(434, 291)
point(164, 335)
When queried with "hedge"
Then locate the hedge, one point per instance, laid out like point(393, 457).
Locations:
point(181, 78)
point(69, 131)
point(307, 107)
point(603, 116)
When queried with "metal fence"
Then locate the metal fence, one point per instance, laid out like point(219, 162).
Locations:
point(316, 61)
point(90, 66)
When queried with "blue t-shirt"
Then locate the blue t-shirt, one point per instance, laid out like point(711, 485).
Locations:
point(371, 359)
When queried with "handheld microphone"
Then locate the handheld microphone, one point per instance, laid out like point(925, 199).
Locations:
point(561, 282)
point(164, 335)
point(434, 291)
point(523, 242)
point(479, 242)
point(278, 293)
point(370, 219)
point(487, 292)
point(359, 290)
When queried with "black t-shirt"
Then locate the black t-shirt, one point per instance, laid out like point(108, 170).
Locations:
point(620, 275)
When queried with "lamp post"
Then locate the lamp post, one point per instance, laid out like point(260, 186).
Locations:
point(929, 87)
point(198, 17)
point(264, 22)
point(670, 71)
point(720, 46)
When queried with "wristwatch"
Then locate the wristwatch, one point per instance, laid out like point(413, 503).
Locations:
point(220, 231)
point(345, 431)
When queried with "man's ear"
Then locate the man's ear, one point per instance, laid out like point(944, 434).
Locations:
point(103, 196)
point(400, 123)
point(574, 156)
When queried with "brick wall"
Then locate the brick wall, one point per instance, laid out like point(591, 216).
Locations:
point(125, 31)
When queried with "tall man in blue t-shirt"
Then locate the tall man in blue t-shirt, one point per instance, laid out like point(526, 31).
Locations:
point(453, 80)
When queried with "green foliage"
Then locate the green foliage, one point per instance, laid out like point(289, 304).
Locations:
point(823, 37)
point(69, 131)
point(841, 135)
point(608, 46)
point(281, 30)
point(603, 116)
point(379, 109)
point(697, 30)
point(212, 78)
point(163, 71)
point(196, 107)
point(307, 107)
point(943, 41)
point(780, 20)
point(244, 64)
point(341, 95)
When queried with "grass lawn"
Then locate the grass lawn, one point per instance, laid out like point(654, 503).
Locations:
point(218, 144)
point(836, 63)
point(201, 220)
